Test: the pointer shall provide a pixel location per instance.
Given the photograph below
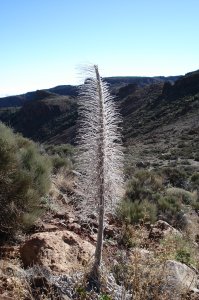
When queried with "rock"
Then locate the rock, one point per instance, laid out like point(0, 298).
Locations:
point(197, 238)
point(9, 251)
point(60, 215)
point(110, 231)
point(4, 297)
point(30, 251)
point(193, 294)
point(12, 281)
point(142, 164)
point(179, 277)
point(7, 268)
point(42, 281)
point(48, 227)
point(75, 227)
point(60, 251)
point(71, 220)
point(116, 290)
point(70, 217)
point(161, 229)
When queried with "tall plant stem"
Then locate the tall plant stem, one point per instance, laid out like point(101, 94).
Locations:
point(100, 159)
point(101, 150)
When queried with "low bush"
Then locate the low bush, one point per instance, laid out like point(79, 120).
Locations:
point(184, 256)
point(63, 150)
point(196, 157)
point(142, 192)
point(179, 248)
point(195, 181)
point(171, 210)
point(181, 195)
point(60, 162)
point(62, 156)
point(144, 185)
point(175, 177)
point(24, 180)
point(195, 205)
point(148, 199)
point(134, 212)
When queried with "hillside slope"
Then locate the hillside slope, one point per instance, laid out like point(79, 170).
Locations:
point(147, 105)
point(164, 118)
point(160, 252)
point(68, 90)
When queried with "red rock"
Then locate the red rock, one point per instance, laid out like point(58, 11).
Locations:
point(60, 251)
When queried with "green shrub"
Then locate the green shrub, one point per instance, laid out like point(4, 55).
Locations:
point(171, 210)
point(63, 150)
point(196, 157)
point(144, 185)
point(60, 162)
point(195, 205)
point(175, 176)
point(105, 297)
point(125, 237)
point(24, 179)
point(146, 197)
point(141, 196)
point(180, 249)
point(62, 156)
point(169, 204)
point(134, 212)
point(184, 256)
point(181, 195)
point(195, 181)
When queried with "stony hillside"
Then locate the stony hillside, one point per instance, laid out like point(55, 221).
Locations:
point(151, 245)
point(146, 104)
point(161, 123)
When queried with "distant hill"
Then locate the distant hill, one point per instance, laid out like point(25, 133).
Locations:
point(152, 106)
point(147, 105)
point(19, 100)
point(161, 174)
point(68, 90)
point(43, 118)
point(121, 81)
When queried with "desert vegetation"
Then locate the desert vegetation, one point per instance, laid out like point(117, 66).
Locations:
point(161, 194)
point(150, 242)
point(24, 181)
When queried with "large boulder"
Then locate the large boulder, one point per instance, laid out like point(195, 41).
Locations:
point(162, 229)
point(180, 278)
point(60, 251)
point(170, 279)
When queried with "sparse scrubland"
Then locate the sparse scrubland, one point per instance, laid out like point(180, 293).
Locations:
point(151, 245)
point(24, 181)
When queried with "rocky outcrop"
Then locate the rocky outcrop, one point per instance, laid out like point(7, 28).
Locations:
point(60, 251)
point(161, 229)
point(186, 85)
point(180, 278)
point(12, 283)
point(42, 115)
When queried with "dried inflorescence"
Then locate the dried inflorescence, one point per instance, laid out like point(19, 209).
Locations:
point(100, 156)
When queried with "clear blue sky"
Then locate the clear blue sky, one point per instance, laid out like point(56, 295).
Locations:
point(42, 41)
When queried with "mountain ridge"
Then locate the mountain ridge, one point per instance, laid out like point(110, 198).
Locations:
point(72, 90)
point(50, 117)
